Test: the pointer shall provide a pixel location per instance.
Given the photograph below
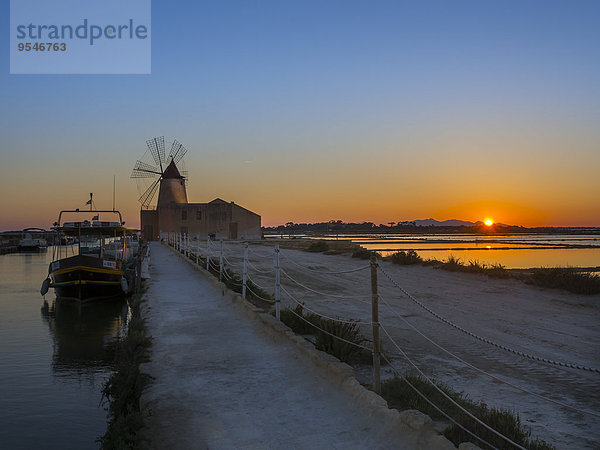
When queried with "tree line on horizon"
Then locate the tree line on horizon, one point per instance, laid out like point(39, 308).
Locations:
point(338, 226)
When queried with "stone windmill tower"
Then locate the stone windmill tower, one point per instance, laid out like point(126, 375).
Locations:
point(165, 177)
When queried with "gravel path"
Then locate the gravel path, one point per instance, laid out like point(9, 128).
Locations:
point(222, 382)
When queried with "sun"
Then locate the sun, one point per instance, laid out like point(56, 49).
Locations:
point(488, 222)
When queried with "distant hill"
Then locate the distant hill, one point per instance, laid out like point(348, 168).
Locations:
point(437, 223)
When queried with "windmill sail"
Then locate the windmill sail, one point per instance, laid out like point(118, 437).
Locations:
point(144, 170)
point(157, 149)
point(177, 151)
point(147, 196)
point(168, 179)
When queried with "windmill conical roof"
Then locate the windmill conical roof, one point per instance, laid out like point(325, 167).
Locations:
point(171, 171)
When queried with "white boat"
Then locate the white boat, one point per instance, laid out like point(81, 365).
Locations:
point(31, 243)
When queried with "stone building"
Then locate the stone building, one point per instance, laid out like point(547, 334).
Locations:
point(218, 219)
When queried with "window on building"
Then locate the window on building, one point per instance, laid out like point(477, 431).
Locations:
point(198, 214)
point(184, 214)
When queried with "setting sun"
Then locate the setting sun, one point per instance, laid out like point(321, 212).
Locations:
point(488, 222)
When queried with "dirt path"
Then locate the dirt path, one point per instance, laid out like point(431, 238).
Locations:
point(221, 382)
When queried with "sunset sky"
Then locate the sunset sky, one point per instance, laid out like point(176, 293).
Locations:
point(308, 111)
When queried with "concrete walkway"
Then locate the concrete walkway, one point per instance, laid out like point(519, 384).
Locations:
point(221, 381)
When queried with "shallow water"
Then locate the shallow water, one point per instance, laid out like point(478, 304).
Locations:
point(511, 258)
point(54, 360)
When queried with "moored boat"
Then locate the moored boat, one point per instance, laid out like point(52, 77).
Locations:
point(32, 240)
point(104, 265)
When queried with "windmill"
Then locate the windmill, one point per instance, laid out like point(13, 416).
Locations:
point(163, 174)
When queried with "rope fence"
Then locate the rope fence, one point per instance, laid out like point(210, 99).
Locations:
point(218, 259)
point(486, 340)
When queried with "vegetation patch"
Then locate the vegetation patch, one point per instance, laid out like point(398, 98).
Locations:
point(123, 389)
point(318, 247)
point(346, 350)
point(406, 258)
point(493, 271)
point(292, 317)
point(328, 334)
point(361, 253)
point(401, 396)
point(565, 278)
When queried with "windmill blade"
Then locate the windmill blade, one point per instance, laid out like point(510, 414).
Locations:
point(143, 170)
point(157, 149)
point(142, 174)
point(177, 151)
point(148, 195)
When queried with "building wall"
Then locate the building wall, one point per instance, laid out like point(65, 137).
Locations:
point(248, 223)
point(218, 219)
point(149, 224)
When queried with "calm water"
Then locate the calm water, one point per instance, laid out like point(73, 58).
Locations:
point(516, 251)
point(54, 360)
point(512, 251)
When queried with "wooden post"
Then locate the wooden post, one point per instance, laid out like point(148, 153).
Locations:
point(197, 249)
point(277, 282)
point(245, 275)
point(375, 323)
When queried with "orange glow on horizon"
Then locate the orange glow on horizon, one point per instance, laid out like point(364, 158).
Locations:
point(488, 222)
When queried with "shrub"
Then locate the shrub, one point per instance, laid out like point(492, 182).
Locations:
point(452, 264)
point(406, 258)
point(289, 316)
point(361, 253)
point(497, 271)
point(401, 396)
point(565, 278)
point(319, 246)
point(344, 351)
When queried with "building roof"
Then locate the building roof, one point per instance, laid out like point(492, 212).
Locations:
point(171, 171)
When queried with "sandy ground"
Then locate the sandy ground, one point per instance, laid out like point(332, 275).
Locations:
point(550, 323)
point(222, 382)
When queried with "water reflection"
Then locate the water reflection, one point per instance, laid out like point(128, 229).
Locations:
point(84, 335)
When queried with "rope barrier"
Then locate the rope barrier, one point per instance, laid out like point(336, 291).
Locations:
point(320, 293)
point(257, 255)
point(256, 269)
point(255, 283)
point(268, 300)
point(488, 341)
point(328, 333)
point(325, 272)
point(458, 358)
point(483, 424)
point(437, 408)
point(227, 261)
point(323, 315)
